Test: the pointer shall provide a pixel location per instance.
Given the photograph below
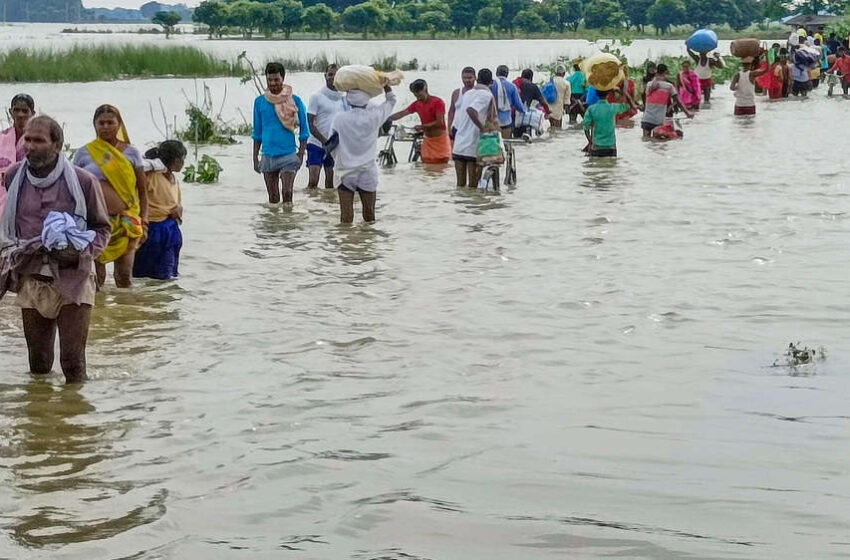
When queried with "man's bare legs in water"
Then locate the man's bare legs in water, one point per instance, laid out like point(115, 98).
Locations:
point(346, 205)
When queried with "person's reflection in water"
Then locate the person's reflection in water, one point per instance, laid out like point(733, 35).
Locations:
point(274, 226)
point(477, 202)
point(55, 459)
point(601, 174)
point(356, 245)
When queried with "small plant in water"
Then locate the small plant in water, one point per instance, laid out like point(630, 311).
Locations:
point(206, 172)
point(797, 355)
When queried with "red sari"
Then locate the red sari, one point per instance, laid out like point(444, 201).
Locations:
point(775, 81)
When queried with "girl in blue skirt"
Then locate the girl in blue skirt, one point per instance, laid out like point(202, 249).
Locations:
point(159, 256)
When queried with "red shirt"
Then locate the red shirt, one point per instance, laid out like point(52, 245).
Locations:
point(842, 65)
point(429, 110)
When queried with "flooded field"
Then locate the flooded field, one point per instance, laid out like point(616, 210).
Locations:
point(579, 367)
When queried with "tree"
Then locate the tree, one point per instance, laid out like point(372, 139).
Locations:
point(666, 13)
point(167, 20)
point(409, 20)
point(212, 14)
point(529, 21)
point(364, 18)
point(569, 13)
point(292, 12)
point(488, 17)
point(242, 15)
point(320, 18)
point(510, 9)
point(817, 6)
point(600, 14)
point(549, 13)
point(775, 9)
point(740, 14)
point(399, 19)
point(267, 18)
point(637, 13)
point(702, 13)
point(465, 12)
point(435, 21)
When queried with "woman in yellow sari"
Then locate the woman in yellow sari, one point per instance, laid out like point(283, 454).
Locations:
point(118, 166)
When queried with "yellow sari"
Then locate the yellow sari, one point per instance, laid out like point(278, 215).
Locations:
point(122, 176)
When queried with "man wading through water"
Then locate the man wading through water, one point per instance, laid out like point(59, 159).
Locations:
point(277, 115)
point(56, 287)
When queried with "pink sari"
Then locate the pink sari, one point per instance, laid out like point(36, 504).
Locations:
point(9, 152)
point(689, 89)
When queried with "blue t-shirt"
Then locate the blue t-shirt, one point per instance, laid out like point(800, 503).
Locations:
point(592, 96)
point(506, 116)
point(269, 131)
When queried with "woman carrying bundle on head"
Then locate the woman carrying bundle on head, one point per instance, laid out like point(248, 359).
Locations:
point(159, 255)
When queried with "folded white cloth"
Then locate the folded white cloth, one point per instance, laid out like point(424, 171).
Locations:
point(60, 230)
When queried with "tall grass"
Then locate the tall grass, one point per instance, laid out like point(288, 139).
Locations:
point(317, 63)
point(89, 63)
point(320, 62)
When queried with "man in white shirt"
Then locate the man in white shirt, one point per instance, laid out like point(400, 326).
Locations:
point(559, 107)
point(477, 114)
point(321, 109)
point(356, 170)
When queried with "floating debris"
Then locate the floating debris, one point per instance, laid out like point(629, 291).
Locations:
point(797, 355)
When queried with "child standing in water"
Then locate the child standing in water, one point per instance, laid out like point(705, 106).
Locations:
point(159, 255)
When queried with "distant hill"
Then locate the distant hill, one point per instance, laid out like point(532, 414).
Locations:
point(42, 10)
point(72, 11)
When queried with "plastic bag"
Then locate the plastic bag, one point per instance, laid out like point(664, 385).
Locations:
point(365, 78)
point(490, 149)
point(604, 71)
point(702, 41)
point(549, 91)
point(531, 118)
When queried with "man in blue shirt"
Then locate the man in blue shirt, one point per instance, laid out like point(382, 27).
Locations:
point(507, 100)
point(278, 114)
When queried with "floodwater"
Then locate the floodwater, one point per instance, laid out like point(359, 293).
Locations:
point(579, 367)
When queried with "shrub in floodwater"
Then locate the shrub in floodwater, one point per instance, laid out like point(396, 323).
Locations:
point(206, 172)
point(797, 355)
point(206, 126)
point(88, 63)
point(390, 63)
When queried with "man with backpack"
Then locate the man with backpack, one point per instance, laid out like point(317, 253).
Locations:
point(507, 100)
point(558, 95)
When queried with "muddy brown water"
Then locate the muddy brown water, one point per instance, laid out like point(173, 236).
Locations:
point(576, 368)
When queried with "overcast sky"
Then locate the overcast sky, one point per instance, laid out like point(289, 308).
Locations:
point(132, 3)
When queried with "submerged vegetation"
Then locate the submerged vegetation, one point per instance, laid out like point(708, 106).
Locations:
point(799, 360)
point(206, 172)
point(90, 63)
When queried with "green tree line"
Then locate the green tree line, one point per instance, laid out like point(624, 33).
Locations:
point(377, 18)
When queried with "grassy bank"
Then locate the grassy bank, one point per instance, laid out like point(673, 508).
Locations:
point(95, 63)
